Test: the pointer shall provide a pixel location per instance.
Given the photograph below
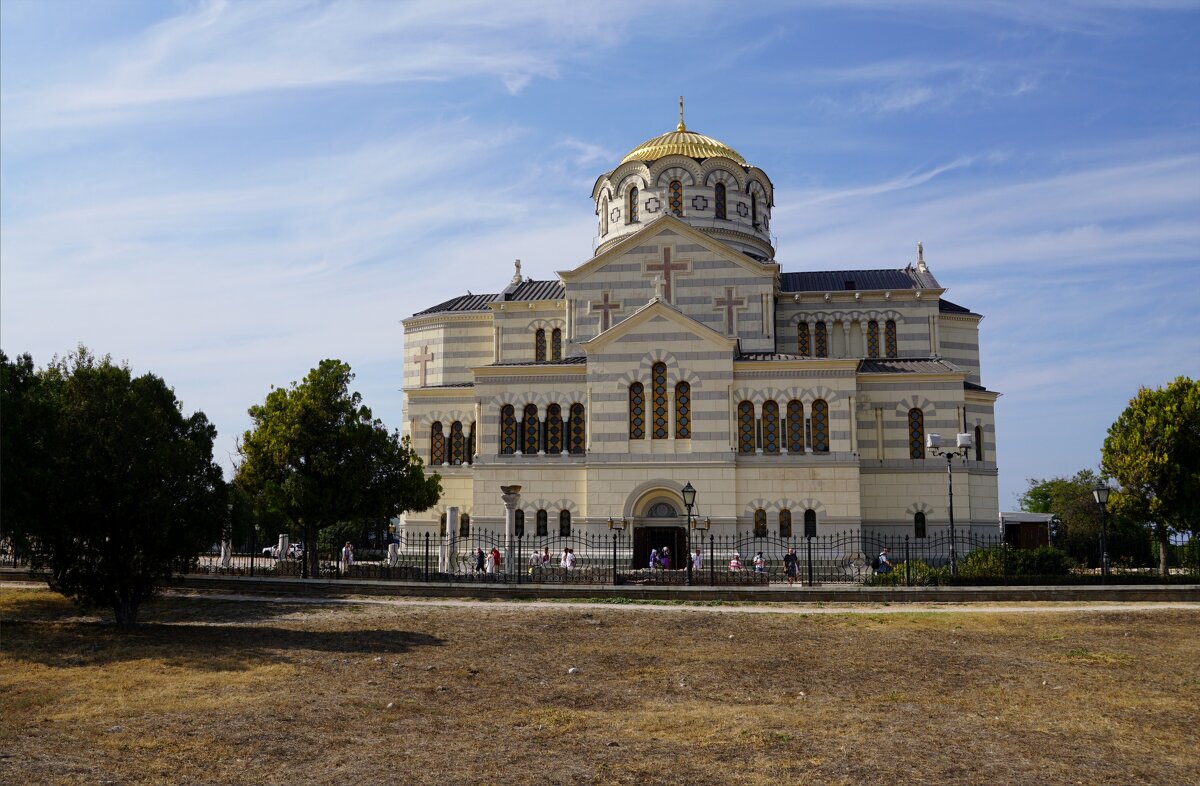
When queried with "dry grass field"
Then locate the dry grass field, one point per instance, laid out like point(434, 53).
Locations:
point(220, 691)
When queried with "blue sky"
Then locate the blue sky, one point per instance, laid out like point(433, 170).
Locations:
point(225, 193)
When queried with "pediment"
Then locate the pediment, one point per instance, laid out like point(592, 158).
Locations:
point(657, 310)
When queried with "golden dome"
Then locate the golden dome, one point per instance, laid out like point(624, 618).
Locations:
point(683, 143)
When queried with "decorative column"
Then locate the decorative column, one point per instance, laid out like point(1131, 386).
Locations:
point(846, 335)
point(512, 497)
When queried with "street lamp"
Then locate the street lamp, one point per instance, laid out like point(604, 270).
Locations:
point(1100, 493)
point(617, 527)
point(689, 500)
point(963, 444)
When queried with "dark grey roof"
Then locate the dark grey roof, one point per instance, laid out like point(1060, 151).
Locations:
point(946, 307)
point(451, 385)
point(850, 280)
point(571, 361)
point(536, 290)
point(972, 386)
point(895, 366)
point(461, 303)
point(760, 356)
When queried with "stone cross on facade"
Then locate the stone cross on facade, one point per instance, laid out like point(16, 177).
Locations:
point(604, 306)
point(666, 268)
point(728, 303)
point(425, 358)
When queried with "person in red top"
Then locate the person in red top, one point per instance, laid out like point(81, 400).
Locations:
point(497, 560)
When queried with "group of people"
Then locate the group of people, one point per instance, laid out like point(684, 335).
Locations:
point(542, 560)
point(491, 561)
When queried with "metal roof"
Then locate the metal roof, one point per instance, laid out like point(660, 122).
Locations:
point(526, 290)
point(854, 280)
point(761, 356)
point(946, 307)
point(894, 366)
point(461, 303)
point(571, 361)
point(536, 290)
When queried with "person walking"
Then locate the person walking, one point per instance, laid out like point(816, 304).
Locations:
point(791, 565)
point(664, 558)
point(347, 557)
point(697, 561)
point(760, 564)
point(653, 558)
point(736, 562)
point(497, 560)
point(479, 560)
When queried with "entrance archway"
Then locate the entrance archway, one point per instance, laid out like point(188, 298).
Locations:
point(659, 526)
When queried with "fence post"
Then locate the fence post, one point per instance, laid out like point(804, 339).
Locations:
point(907, 576)
point(614, 558)
point(712, 561)
point(1004, 560)
point(427, 556)
point(810, 565)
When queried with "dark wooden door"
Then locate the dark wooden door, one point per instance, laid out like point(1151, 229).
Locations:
point(647, 538)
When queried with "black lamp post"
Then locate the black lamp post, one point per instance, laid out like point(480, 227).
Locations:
point(689, 500)
point(1100, 493)
point(617, 528)
point(962, 447)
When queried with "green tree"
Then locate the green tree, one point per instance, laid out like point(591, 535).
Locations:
point(317, 456)
point(1153, 452)
point(106, 483)
point(1071, 501)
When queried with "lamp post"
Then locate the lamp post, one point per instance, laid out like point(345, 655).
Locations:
point(617, 528)
point(962, 447)
point(1100, 493)
point(689, 500)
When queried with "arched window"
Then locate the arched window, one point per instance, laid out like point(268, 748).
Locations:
point(578, 430)
point(637, 411)
point(554, 430)
point(471, 445)
point(437, 445)
point(539, 346)
point(543, 526)
point(658, 376)
point(785, 523)
point(556, 344)
point(810, 523)
point(795, 426)
point(979, 443)
point(803, 346)
point(746, 428)
point(889, 338)
point(760, 523)
point(464, 525)
point(564, 524)
point(519, 523)
point(754, 209)
point(508, 430)
point(604, 216)
point(919, 525)
point(822, 340)
point(683, 411)
point(820, 426)
point(916, 433)
point(720, 200)
point(675, 197)
point(770, 427)
point(529, 431)
point(872, 339)
point(631, 215)
point(458, 444)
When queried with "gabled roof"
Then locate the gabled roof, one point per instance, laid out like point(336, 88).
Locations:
point(466, 302)
point(525, 291)
point(852, 280)
point(536, 290)
point(914, 366)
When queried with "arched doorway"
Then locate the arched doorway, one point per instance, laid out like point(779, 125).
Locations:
point(659, 525)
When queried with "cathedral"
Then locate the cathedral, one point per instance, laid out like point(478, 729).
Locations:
point(684, 352)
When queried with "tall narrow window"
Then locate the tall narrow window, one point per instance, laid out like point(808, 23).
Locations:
point(543, 523)
point(564, 524)
point(803, 345)
point(979, 443)
point(539, 346)
point(810, 523)
point(919, 525)
point(785, 523)
point(720, 200)
point(754, 210)
point(519, 523)
point(464, 525)
point(683, 411)
point(508, 430)
point(578, 430)
point(889, 338)
point(556, 344)
point(820, 426)
point(916, 433)
point(604, 216)
point(822, 340)
point(631, 215)
point(795, 426)
point(760, 523)
point(458, 444)
point(675, 197)
point(637, 411)
point(529, 431)
point(872, 339)
point(770, 428)
point(471, 445)
point(746, 428)
point(554, 430)
point(659, 377)
point(437, 444)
